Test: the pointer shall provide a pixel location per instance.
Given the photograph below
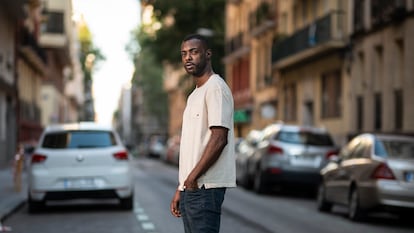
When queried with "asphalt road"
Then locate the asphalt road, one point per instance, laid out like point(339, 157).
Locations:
point(243, 212)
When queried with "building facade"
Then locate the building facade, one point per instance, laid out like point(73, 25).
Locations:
point(37, 57)
point(342, 65)
point(382, 66)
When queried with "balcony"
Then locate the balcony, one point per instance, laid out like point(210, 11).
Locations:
point(32, 52)
point(383, 11)
point(235, 48)
point(262, 19)
point(322, 36)
point(53, 30)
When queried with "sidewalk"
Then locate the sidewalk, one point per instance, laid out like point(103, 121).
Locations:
point(10, 199)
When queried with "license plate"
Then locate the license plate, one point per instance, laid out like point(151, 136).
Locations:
point(79, 183)
point(409, 176)
point(306, 161)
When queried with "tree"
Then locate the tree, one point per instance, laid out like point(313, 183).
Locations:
point(179, 18)
point(158, 40)
point(89, 57)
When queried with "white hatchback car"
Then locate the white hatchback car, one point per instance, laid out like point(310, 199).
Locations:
point(80, 160)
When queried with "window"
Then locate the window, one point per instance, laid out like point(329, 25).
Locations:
point(331, 94)
point(54, 23)
point(399, 109)
point(290, 102)
point(308, 138)
point(2, 118)
point(378, 111)
point(79, 139)
point(359, 113)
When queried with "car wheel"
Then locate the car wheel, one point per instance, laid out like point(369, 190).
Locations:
point(259, 184)
point(35, 206)
point(355, 213)
point(127, 203)
point(321, 202)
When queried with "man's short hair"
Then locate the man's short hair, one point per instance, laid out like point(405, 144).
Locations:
point(199, 37)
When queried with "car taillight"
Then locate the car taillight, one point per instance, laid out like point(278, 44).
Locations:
point(331, 153)
point(38, 158)
point(383, 172)
point(121, 155)
point(274, 150)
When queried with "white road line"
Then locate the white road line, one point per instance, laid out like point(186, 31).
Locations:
point(142, 217)
point(147, 225)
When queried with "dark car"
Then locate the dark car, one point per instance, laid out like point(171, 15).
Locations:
point(244, 151)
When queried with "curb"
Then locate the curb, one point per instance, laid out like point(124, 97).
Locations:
point(12, 208)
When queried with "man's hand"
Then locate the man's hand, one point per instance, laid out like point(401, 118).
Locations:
point(175, 205)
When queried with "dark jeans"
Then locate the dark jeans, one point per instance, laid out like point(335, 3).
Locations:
point(201, 209)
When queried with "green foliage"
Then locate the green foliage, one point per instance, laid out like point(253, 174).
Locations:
point(189, 16)
point(151, 48)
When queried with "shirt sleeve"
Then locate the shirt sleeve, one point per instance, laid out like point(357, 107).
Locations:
point(219, 107)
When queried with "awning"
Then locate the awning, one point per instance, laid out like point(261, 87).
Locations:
point(242, 116)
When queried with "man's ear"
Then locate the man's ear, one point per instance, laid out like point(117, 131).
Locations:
point(208, 53)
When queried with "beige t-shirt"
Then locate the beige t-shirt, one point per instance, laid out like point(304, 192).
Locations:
point(207, 106)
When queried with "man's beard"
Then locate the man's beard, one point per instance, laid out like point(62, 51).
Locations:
point(198, 69)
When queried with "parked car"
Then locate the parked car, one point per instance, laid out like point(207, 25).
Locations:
point(290, 155)
point(156, 149)
point(173, 150)
point(244, 151)
point(372, 172)
point(79, 160)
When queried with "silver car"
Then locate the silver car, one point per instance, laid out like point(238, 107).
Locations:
point(290, 155)
point(80, 160)
point(372, 172)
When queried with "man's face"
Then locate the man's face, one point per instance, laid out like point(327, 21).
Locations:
point(194, 57)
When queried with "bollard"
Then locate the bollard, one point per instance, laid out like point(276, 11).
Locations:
point(18, 168)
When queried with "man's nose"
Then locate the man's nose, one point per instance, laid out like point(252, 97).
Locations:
point(188, 57)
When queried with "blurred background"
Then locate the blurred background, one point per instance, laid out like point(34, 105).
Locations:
point(342, 65)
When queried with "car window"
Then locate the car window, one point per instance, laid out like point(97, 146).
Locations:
point(360, 151)
point(395, 149)
point(309, 138)
point(347, 150)
point(78, 139)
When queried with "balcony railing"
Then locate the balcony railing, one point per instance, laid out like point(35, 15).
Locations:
point(383, 11)
point(30, 41)
point(234, 43)
point(326, 29)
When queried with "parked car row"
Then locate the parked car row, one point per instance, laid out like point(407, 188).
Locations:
point(371, 173)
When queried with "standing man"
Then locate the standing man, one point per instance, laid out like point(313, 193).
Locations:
point(207, 162)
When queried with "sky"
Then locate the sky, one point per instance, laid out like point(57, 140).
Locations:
point(110, 22)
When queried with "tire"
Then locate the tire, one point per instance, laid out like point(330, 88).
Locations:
point(322, 204)
point(259, 185)
point(355, 213)
point(35, 206)
point(245, 180)
point(127, 203)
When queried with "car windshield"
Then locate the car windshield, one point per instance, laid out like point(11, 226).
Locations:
point(395, 149)
point(78, 139)
point(304, 137)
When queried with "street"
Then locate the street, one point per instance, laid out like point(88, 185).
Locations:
point(243, 212)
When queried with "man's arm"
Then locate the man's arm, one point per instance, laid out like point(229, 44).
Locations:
point(216, 144)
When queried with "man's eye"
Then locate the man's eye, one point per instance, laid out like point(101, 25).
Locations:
point(194, 52)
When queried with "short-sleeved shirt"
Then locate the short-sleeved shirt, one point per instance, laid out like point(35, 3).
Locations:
point(208, 105)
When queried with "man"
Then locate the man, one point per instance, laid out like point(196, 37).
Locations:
point(207, 162)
